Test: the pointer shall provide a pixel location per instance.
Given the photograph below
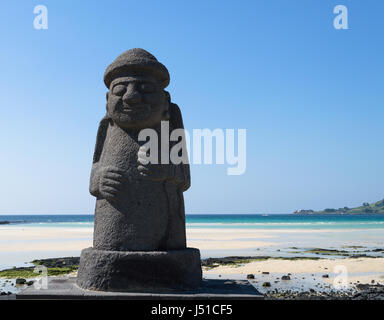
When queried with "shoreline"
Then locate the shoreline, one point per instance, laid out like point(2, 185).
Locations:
point(276, 278)
point(212, 242)
point(20, 244)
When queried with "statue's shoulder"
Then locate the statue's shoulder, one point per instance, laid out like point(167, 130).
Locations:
point(100, 138)
point(176, 119)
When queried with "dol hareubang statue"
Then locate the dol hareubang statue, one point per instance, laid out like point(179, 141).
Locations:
point(144, 203)
point(139, 235)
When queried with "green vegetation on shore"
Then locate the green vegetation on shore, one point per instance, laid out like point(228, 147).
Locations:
point(365, 208)
point(67, 265)
point(55, 267)
point(63, 266)
point(27, 272)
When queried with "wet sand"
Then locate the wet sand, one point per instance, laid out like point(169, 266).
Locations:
point(17, 238)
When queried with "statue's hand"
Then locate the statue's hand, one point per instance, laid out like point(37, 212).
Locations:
point(111, 180)
point(154, 172)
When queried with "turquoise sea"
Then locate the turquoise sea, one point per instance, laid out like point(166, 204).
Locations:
point(233, 221)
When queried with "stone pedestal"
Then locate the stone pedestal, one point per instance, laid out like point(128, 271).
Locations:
point(123, 271)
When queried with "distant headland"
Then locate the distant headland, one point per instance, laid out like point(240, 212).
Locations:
point(365, 208)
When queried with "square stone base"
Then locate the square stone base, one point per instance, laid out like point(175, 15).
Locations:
point(66, 288)
point(139, 271)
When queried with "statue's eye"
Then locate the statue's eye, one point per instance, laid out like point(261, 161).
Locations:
point(118, 90)
point(147, 87)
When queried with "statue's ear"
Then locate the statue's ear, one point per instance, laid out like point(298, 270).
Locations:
point(166, 114)
point(106, 97)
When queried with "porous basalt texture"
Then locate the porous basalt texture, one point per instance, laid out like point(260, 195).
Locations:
point(120, 271)
point(139, 240)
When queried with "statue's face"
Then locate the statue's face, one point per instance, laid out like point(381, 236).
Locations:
point(136, 102)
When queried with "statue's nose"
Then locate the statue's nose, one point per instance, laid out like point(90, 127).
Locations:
point(132, 96)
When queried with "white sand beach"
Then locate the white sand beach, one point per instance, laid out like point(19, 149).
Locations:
point(17, 238)
point(22, 238)
point(21, 244)
point(362, 270)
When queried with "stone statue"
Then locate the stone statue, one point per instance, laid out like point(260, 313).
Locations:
point(139, 234)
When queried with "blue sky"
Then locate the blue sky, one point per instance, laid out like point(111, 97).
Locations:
point(311, 98)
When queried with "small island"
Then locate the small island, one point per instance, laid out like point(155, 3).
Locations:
point(365, 208)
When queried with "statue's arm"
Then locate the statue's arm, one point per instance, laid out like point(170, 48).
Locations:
point(94, 184)
point(95, 180)
point(178, 174)
point(182, 175)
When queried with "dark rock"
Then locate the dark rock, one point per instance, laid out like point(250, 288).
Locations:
point(58, 262)
point(266, 284)
point(212, 262)
point(265, 272)
point(20, 281)
point(325, 276)
point(250, 276)
point(367, 292)
point(377, 250)
point(285, 278)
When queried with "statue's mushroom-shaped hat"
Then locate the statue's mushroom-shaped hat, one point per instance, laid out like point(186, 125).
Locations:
point(136, 61)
